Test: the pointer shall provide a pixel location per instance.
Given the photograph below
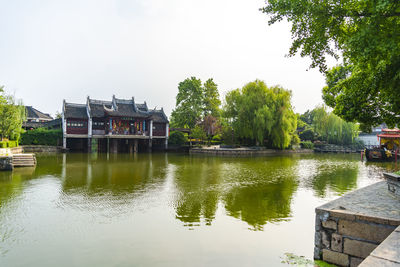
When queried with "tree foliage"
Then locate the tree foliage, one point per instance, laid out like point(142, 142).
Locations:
point(259, 113)
point(195, 101)
point(328, 127)
point(366, 33)
point(12, 115)
point(177, 138)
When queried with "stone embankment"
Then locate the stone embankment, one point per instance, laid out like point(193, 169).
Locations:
point(12, 157)
point(42, 149)
point(349, 229)
point(216, 150)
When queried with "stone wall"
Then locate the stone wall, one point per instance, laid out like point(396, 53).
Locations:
point(6, 163)
point(345, 230)
point(245, 151)
point(41, 149)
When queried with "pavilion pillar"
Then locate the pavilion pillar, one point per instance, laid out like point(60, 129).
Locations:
point(150, 145)
point(64, 142)
point(136, 144)
point(166, 143)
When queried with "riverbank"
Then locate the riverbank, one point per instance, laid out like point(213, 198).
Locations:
point(245, 151)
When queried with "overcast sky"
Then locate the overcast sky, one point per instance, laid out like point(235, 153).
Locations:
point(52, 50)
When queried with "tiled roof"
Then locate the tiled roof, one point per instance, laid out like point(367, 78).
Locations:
point(116, 107)
point(158, 116)
point(32, 113)
point(142, 107)
point(97, 107)
point(75, 111)
point(126, 110)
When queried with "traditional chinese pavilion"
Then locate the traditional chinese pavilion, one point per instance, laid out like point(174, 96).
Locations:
point(119, 125)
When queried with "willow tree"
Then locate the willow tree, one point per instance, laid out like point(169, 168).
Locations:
point(332, 128)
point(261, 114)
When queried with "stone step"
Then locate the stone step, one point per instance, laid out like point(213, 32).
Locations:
point(23, 160)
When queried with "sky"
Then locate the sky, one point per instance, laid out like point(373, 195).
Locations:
point(52, 50)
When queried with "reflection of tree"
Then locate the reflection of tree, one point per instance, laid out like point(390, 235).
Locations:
point(197, 180)
point(338, 175)
point(267, 192)
point(11, 184)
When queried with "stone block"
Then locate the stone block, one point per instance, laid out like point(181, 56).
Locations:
point(6, 163)
point(317, 239)
point(357, 248)
point(354, 262)
point(317, 253)
point(317, 223)
point(373, 261)
point(330, 224)
point(335, 257)
point(390, 248)
point(343, 214)
point(337, 242)
point(372, 219)
point(326, 239)
point(370, 232)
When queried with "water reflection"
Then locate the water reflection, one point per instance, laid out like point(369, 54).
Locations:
point(254, 190)
point(262, 189)
point(198, 183)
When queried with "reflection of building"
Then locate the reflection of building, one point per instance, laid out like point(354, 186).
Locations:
point(118, 125)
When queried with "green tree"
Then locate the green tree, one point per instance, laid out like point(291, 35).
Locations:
point(198, 133)
point(332, 128)
point(12, 115)
point(258, 113)
point(177, 138)
point(189, 103)
point(366, 34)
point(211, 99)
point(194, 102)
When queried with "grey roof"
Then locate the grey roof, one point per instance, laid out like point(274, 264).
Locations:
point(56, 123)
point(116, 107)
point(126, 110)
point(32, 113)
point(97, 107)
point(142, 107)
point(158, 116)
point(75, 111)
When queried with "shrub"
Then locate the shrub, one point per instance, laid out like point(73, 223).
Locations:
point(41, 136)
point(217, 138)
point(8, 144)
point(307, 144)
point(307, 134)
point(177, 138)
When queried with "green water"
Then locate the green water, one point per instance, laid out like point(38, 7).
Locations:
point(169, 209)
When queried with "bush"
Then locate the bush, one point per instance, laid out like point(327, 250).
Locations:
point(307, 134)
point(177, 138)
point(307, 145)
point(41, 136)
point(8, 144)
point(217, 138)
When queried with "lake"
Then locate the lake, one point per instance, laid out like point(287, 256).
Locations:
point(170, 209)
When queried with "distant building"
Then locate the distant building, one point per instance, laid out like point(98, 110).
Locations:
point(37, 119)
point(371, 139)
point(119, 125)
